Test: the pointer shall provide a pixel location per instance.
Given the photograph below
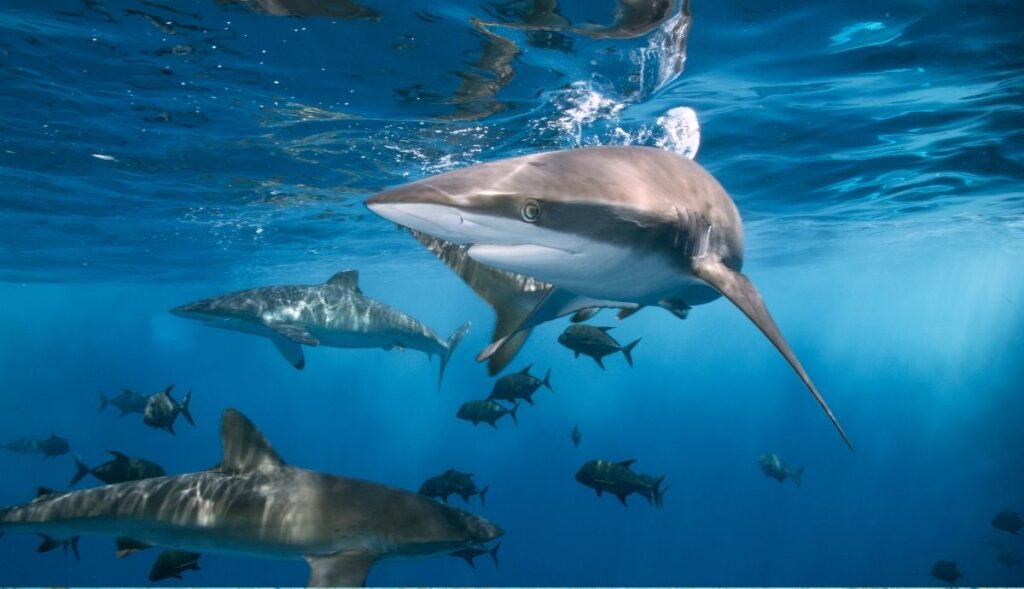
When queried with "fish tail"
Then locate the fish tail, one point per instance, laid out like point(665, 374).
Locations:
point(483, 496)
point(81, 470)
point(72, 543)
point(184, 407)
point(449, 347)
point(797, 475)
point(494, 554)
point(104, 401)
point(658, 492)
point(628, 351)
point(47, 544)
point(547, 381)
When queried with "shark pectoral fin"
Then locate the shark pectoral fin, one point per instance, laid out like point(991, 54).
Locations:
point(741, 291)
point(555, 303)
point(245, 448)
point(342, 569)
point(291, 351)
point(346, 279)
point(293, 331)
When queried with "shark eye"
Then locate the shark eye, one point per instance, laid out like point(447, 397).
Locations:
point(531, 211)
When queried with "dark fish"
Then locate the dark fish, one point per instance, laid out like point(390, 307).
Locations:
point(619, 479)
point(486, 411)
point(520, 385)
point(1008, 521)
point(172, 563)
point(119, 470)
point(23, 446)
point(127, 402)
point(594, 342)
point(50, 543)
point(576, 436)
point(775, 468)
point(453, 482)
point(162, 410)
point(468, 554)
point(54, 446)
point(945, 570)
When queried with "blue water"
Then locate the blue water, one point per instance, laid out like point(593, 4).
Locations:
point(155, 153)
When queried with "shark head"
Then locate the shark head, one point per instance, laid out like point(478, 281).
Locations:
point(567, 217)
point(202, 310)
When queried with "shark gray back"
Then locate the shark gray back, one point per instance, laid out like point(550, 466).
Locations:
point(254, 504)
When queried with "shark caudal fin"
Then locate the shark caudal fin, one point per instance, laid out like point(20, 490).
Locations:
point(546, 383)
point(184, 407)
point(797, 475)
point(450, 345)
point(741, 291)
point(81, 470)
point(628, 351)
point(511, 295)
point(104, 401)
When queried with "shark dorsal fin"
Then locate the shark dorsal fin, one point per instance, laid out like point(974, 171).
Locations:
point(346, 279)
point(245, 448)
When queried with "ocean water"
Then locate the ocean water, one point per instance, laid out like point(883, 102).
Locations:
point(154, 153)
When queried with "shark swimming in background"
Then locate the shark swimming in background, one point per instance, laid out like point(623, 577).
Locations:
point(335, 313)
point(253, 504)
point(563, 232)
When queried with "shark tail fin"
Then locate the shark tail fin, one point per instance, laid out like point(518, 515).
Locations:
point(81, 470)
point(546, 383)
point(184, 407)
point(483, 496)
point(453, 342)
point(797, 475)
point(494, 554)
point(628, 351)
point(512, 412)
point(736, 287)
point(104, 401)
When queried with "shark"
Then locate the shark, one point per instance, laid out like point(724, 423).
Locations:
point(335, 314)
point(565, 232)
point(254, 504)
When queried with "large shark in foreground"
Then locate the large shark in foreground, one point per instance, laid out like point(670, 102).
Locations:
point(566, 231)
point(335, 313)
point(253, 504)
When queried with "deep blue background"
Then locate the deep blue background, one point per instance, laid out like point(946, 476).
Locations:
point(878, 169)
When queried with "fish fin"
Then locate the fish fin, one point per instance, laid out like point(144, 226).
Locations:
point(493, 424)
point(43, 493)
point(494, 554)
point(513, 411)
point(605, 328)
point(245, 448)
point(598, 491)
point(483, 496)
point(348, 279)
point(170, 428)
point(167, 391)
point(184, 407)
point(555, 303)
point(546, 383)
point(72, 543)
point(450, 345)
point(627, 463)
point(526, 370)
point(124, 547)
point(736, 287)
point(291, 351)
point(675, 306)
point(465, 496)
point(117, 455)
point(444, 498)
point(511, 295)
point(584, 314)
point(104, 401)
point(599, 361)
point(797, 475)
point(622, 499)
point(529, 399)
point(81, 470)
point(628, 351)
point(292, 331)
point(342, 569)
point(466, 557)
